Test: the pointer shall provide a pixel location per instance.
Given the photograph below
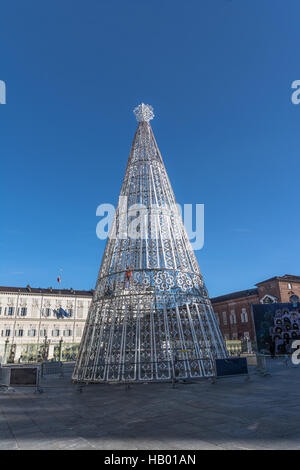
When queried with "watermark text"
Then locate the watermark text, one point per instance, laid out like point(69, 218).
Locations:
point(2, 92)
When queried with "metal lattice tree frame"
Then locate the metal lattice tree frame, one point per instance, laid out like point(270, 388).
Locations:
point(150, 318)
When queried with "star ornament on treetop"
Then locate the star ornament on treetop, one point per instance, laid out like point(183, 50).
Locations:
point(143, 112)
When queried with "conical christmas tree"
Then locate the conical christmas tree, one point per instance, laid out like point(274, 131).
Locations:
point(150, 318)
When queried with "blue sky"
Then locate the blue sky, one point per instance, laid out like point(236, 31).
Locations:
point(218, 74)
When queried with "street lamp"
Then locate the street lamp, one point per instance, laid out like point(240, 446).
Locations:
point(45, 350)
point(60, 349)
point(5, 351)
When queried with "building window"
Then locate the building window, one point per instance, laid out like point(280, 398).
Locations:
point(67, 332)
point(232, 317)
point(224, 318)
point(78, 332)
point(5, 332)
point(234, 336)
point(10, 311)
point(246, 335)
point(43, 332)
point(55, 332)
point(70, 312)
point(290, 286)
point(47, 312)
point(23, 312)
point(19, 332)
point(79, 312)
point(31, 332)
point(217, 318)
point(244, 316)
point(0, 310)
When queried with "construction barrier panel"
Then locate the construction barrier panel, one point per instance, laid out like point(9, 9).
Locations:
point(231, 366)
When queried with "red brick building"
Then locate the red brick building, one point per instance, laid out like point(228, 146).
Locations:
point(234, 311)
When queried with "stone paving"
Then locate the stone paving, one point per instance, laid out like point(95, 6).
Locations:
point(262, 413)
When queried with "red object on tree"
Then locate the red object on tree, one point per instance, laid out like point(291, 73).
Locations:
point(128, 273)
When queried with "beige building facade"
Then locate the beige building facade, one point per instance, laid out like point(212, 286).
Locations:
point(35, 320)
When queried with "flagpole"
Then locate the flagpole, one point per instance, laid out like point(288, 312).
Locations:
point(59, 280)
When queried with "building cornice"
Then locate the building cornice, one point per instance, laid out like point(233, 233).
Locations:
point(243, 294)
point(285, 278)
point(49, 291)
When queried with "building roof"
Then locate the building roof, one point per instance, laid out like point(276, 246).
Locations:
point(286, 277)
point(50, 291)
point(235, 295)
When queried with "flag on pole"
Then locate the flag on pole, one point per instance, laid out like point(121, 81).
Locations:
point(60, 313)
point(59, 276)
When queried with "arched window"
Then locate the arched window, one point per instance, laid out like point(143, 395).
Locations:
point(232, 317)
point(244, 316)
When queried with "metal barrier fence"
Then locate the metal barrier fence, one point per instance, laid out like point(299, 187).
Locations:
point(4, 376)
point(57, 368)
point(258, 362)
point(52, 368)
point(16, 375)
point(68, 368)
point(260, 366)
